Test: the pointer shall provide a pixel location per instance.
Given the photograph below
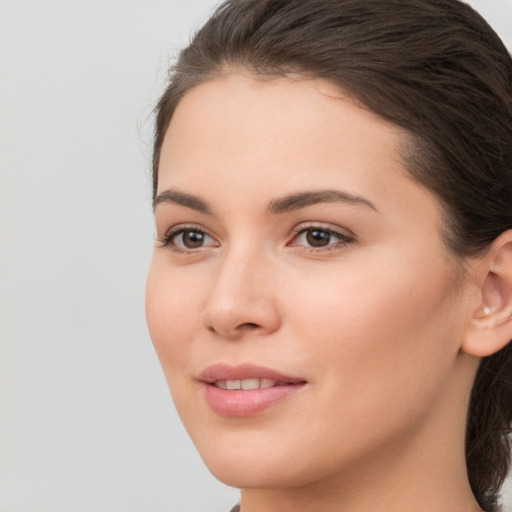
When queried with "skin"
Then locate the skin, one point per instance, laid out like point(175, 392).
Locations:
point(375, 321)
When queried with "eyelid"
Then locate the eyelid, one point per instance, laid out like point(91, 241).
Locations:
point(167, 239)
point(324, 226)
point(344, 235)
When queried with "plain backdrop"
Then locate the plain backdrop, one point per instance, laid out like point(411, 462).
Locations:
point(87, 423)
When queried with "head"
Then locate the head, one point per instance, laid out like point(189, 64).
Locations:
point(435, 77)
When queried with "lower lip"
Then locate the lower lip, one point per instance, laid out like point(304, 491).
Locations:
point(248, 402)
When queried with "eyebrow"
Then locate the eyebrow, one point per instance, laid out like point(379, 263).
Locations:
point(174, 197)
point(302, 199)
point(276, 206)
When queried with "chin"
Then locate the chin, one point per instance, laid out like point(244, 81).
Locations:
point(243, 474)
point(259, 463)
point(243, 466)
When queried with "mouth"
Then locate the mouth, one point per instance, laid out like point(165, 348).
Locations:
point(246, 376)
point(248, 384)
point(246, 390)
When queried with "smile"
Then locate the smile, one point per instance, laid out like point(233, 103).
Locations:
point(246, 390)
point(247, 384)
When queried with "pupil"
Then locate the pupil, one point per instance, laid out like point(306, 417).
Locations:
point(317, 238)
point(193, 239)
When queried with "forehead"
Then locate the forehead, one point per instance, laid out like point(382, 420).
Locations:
point(295, 126)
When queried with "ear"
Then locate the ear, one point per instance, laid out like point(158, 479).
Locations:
point(490, 327)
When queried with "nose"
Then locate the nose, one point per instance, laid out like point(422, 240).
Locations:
point(241, 300)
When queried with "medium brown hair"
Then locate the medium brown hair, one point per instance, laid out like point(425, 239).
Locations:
point(433, 67)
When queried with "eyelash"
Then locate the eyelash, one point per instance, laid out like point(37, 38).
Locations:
point(343, 240)
point(168, 239)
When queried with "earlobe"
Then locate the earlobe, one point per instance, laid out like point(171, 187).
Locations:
point(490, 328)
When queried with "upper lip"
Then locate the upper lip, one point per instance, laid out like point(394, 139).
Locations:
point(222, 372)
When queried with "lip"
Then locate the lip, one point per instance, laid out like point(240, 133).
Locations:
point(243, 403)
point(223, 371)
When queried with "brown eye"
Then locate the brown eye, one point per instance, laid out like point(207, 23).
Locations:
point(188, 239)
point(318, 237)
point(191, 239)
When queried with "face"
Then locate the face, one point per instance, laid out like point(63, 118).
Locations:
point(297, 263)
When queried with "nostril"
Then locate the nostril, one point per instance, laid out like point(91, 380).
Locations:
point(248, 325)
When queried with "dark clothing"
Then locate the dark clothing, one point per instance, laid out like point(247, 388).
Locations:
point(236, 508)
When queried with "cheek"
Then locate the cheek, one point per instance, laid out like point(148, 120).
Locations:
point(379, 351)
point(172, 313)
point(373, 332)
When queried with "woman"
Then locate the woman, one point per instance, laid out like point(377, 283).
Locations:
point(330, 294)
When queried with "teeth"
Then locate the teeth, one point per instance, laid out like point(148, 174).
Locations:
point(233, 384)
point(267, 383)
point(245, 384)
point(250, 383)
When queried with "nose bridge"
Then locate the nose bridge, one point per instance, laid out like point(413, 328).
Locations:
point(241, 297)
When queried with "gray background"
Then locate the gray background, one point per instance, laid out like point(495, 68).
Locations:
point(86, 421)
